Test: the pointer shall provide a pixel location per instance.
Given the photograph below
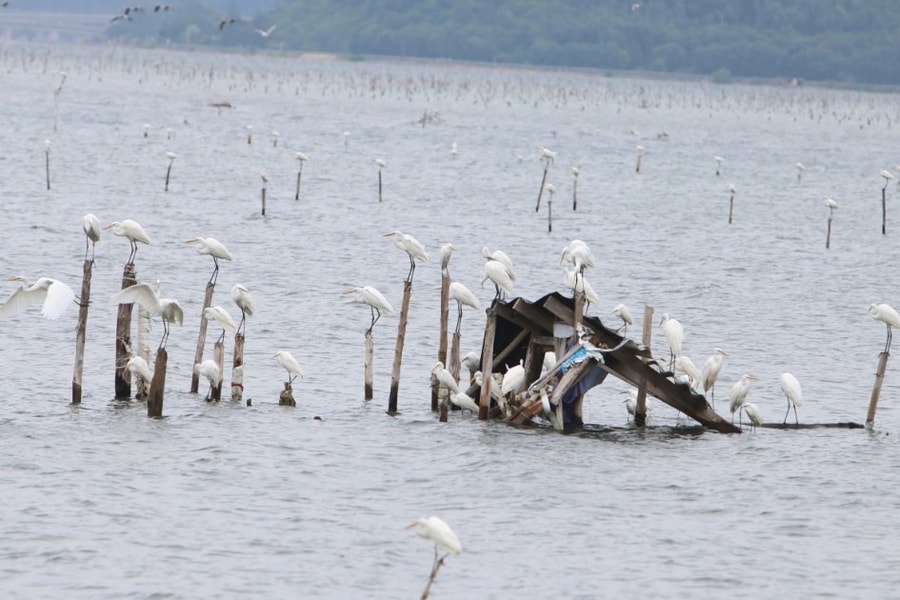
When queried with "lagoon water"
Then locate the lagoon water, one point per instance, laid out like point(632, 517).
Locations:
point(232, 501)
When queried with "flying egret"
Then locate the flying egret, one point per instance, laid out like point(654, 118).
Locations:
point(887, 315)
point(738, 395)
point(53, 295)
point(131, 230)
point(623, 313)
point(446, 251)
point(687, 366)
point(513, 380)
point(220, 315)
point(266, 33)
point(436, 530)
point(91, 225)
point(791, 388)
point(711, 369)
point(214, 248)
point(674, 333)
point(138, 366)
point(290, 364)
point(753, 414)
point(241, 296)
point(444, 377)
point(499, 276)
point(375, 299)
point(501, 257)
point(210, 370)
point(579, 285)
point(148, 298)
point(412, 247)
point(463, 401)
point(462, 295)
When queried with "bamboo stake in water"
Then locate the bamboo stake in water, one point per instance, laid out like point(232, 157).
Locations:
point(876, 389)
point(487, 361)
point(640, 411)
point(172, 156)
point(301, 158)
point(637, 166)
point(56, 100)
point(201, 338)
point(249, 134)
point(442, 340)
point(158, 386)
point(265, 179)
point(368, 368)
point(575, 189)
point(47, 161)
point(543, 183)
point(219, 357)
point(123, 337)
point(381, 164)
point(81, 330)
point(237, 369)
point(398, 351)
point(731, 189)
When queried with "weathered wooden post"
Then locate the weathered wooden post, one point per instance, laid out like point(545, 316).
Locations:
point(637, 165)
point(550, 216)
point(578, 312)
point(442, 343)
point(219, 357)
point(81, 331)
point(265, 180)
point(883, 209)
point(731, 204)
point(575, 189)
point(47, 161)
point(454, 355)
point(876, 389)
point(368, 368)
point(398, 350)
point(123, 337)
point(543, 182)
point(237, 369)
point(301, 158)
point(640, 411)
point(487, 360)
point(286, 398)
point(201, 338)
point(828, 237)
point(381, 164)
point(158, 387)
point(171, 156)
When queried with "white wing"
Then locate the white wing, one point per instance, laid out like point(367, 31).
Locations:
point(59, 297)
point(141, 293)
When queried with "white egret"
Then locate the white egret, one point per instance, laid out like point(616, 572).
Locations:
point(412, 247)
point(209, 370)
point(513, 380)
point(719, 160)
point(267, 32)
point(241, 296)
point(148, 298)
point(800, 168)
point(674, 333)
point(138, 366)
point(290, 364)
point(887, 315)
point(301, 157)
point(436, 530)
point(463, 401)
point(888, 176)
point(380, 162)
point(214, 248)
point(711, 369)
point(462, 295)
point(471, 361)
point(501, 257)
point(623, 313)
point(446, 251)
point(444, 377)
point(831, 204)
point(791, 388)
point(579, 285)
point(91, 225)
point(453, 149)
point(220, 315)
point(264, 175)
point(549, 360)
point(131, 230)
point(738, 394)
point(375, 299)
point(547, 154)
point(53, 295)
point(687, 366)
point(499, 276)
point(630, 402)
point(496, 382)
point(579, 254)
point(753, 414)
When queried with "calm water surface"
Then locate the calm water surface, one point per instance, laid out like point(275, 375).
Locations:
point(231, 501)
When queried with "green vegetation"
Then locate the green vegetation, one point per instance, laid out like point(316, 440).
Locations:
point(842, 40)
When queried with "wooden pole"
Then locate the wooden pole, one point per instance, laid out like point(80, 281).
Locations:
point(731, 209)
point(541, 191)
point(158, 386)
point(81, 331)
point(549, 216)
point(286, 398)
point(201, 338)
point(876, 389)
point(578, 313)
point(828, 237)
point(883, 208)
point(47, 166)
point(123, 337)
point(263, 194)
point(219, 357)
point(454, 356)
point(368, 369)
point(442, 342)
point(299, 174)
point(168, 172)
point(379, 185)
point(487, 358)
point(237, 369)
point(575, 194)
point(398, 350)
point(640, 411)
point(637, 166)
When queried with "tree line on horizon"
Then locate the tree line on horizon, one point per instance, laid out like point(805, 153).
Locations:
point(850, 41)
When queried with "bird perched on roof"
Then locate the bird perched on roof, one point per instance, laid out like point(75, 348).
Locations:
point(623, 313)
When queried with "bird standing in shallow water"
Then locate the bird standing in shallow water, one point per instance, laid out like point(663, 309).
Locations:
point(210, 370)
point(711, 369)
point(791, 388)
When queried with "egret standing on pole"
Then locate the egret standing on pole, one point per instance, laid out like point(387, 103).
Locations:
point(214, 248)
point(412, 247)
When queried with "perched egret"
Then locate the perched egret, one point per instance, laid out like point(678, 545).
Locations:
point(471, 361)
point(800, 168)
point(579, 254)
point(463, 401)
point(831, 204)
point(138, 366)
point(412, 247)
point(436, 529)
point(131, 230)
point(214, 248)
point(887, 177)
point(462, 295)
point(711, 369)
point(623, 313)
point(444, 377)
point(887, 315)
point(674, 333)
point(375, 299)
point(241, 297)
point(220, 315)
point(501, 257)
point(446, 251)
point(576, 282)
point(290, 364)
point(499, 275)
point(91, 225)
point(210, 370)
point(547, 154)
point(380, 162)
point(148, 298)
point(454, 149)
point(687, 366)
point(513, 380)
point(738, 394)
point(549, 360)
point(791, 388)
point(495, 383)
point(719, 160)
point(753, 414)
point(53, 295)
